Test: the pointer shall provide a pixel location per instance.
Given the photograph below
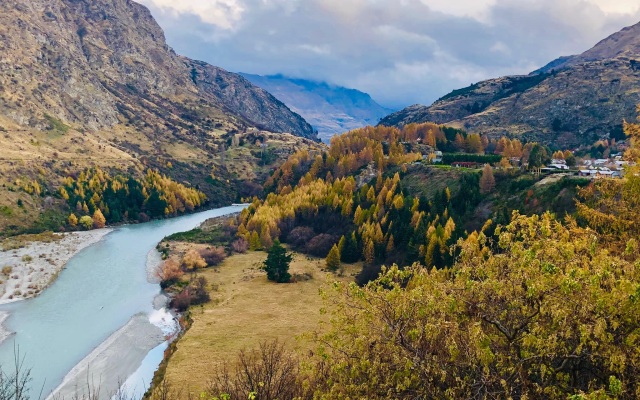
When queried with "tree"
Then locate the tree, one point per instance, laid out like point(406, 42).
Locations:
point(333, 259)
point(277, 263)
point(543, 313)
point(73, 220)
point(254, 241)
point(99, 220)
point(487, 181)
point(350, 253)
point(86, 222)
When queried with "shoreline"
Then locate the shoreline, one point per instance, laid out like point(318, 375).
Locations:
point(112, 362)
point(29, 270)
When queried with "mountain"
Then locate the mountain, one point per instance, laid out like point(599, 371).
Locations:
point(330, 109)
point(97, 64)
point(92, 83)
point(571, 101)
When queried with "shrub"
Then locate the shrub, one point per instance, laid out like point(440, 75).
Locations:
point(300, 236)
point(198, 291)
point(321, 244)
point(169, 273)
point(181, 301)
point(27, 258)
point(7, 269)
point(270, 372)
point(213, 255)
point(193, 260)
point(86, 222)
point(240, 246)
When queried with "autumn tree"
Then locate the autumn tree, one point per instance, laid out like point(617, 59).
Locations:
point(86, 222)
point(73, 220)
point(277, 263)
point(544, 312)
point(487, 180)
point(98, 219)
point(333, 259)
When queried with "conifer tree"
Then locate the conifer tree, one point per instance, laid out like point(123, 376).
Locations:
point(277, 263)
point(487, 181)
point(99, 220)
point(254, 241)
point(350, 254)
point(333, 259)
point(73, 220)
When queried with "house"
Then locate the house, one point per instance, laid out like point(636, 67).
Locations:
point(562, 166)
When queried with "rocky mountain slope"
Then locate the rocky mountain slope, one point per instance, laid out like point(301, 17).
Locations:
point(97, 64)
point(329, 109)
point(93, 83)
point(571, 101)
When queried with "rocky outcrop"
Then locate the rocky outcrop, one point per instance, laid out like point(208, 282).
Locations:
point(94, 64)
point(571, 101)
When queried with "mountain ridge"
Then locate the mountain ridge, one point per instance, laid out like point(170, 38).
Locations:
point(104, 53)
point(330, 109)
point(573, 100)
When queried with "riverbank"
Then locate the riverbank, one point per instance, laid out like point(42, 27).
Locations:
point(100, 374)
point(26, 271)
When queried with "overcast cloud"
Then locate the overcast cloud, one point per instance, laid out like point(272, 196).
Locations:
point(400, 51)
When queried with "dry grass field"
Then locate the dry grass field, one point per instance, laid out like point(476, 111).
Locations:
point(245, 310)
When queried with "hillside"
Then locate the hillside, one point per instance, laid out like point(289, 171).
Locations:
point(571, 101)
point(329, 109)
point(93, 83)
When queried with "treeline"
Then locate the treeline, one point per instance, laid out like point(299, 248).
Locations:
point(474, 158)
point(103, 198)
point(316, 206)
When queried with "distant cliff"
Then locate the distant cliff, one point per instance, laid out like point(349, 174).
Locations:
point(573, 100)
point(329, 109)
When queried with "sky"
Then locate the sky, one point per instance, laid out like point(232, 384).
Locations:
point(402, 52)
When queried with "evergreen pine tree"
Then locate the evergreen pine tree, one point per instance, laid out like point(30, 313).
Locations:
point(350, 253)
point(277, 263)
point(333, 259)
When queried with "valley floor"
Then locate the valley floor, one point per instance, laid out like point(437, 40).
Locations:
point(246, 309)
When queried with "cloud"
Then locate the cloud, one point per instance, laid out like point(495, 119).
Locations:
point(399, 51)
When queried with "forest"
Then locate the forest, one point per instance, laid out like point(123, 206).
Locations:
point(96, 198)
point(538, 306)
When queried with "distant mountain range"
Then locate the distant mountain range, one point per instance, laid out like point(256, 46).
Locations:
point(329, 109)
point(571, 101)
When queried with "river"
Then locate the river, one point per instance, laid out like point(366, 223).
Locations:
point(100, 290)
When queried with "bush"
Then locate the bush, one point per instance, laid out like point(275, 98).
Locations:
point(321, 244)
point(193, 260)
point(268, 373)
point(6, 270)
point(213, 255)
point(240, 246)
point(300, 236)
point(181, 301)
point(86, 222)
point(169, 273)
point(194, 294)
